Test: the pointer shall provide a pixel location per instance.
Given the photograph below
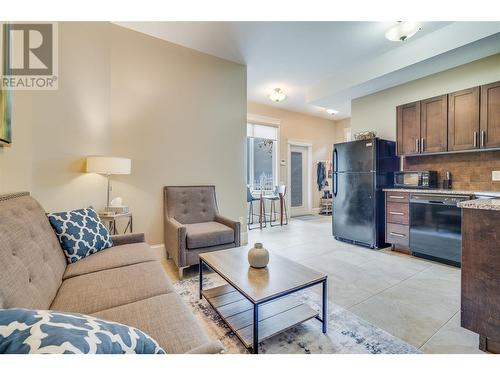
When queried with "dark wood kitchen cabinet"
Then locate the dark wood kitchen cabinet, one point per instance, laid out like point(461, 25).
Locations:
point(480, 276)
point(422, 126)
point(490, 116)
point(463, 119)
point(408, 129)
point(397, 230)
point(433, 124)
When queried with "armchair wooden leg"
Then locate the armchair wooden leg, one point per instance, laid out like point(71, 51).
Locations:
point(181, 272)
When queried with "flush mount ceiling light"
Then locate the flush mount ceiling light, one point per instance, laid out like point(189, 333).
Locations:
point(278, 95)
point(331, 111)
point(403, 31)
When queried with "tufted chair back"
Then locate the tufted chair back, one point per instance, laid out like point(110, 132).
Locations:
point(32, 262)
point(190, 204)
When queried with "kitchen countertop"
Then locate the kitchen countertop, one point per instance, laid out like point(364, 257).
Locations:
point(435, 191)
point(481, 204)
point(488, 202)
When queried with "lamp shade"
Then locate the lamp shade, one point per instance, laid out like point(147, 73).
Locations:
point(108, 165)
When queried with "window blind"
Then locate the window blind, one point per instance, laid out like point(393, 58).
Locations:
point(262, 131)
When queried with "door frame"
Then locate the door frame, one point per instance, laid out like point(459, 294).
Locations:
point(308, 201)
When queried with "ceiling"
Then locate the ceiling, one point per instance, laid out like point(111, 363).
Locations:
point(327, 64)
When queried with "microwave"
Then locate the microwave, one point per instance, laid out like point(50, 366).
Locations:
point(415, 179)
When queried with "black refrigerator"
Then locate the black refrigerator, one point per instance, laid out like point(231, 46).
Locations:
point(361, 170)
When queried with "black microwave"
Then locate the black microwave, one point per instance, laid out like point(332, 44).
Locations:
point(415, 179)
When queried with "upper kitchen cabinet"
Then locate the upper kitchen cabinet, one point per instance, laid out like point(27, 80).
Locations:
point(463, 120)
point(433, 124)
point(490, 116)
point(408, 128)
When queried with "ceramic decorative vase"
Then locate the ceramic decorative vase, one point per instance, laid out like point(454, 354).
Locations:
point(258, 256)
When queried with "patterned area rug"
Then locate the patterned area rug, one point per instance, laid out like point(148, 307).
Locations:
point(346, 332)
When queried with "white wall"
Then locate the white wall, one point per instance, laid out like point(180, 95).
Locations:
point(377, 111)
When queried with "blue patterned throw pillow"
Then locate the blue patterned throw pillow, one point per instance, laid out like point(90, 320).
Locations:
point(25, 331)
point(80, 233)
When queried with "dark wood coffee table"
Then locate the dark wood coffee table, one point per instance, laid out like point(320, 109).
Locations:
point(260, 295)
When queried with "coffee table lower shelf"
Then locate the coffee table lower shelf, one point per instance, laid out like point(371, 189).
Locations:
point(275, 316)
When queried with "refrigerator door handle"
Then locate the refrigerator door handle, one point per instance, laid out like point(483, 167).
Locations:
point(335, 172)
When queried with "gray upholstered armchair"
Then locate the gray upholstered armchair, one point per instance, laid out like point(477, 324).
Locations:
point(192, 224)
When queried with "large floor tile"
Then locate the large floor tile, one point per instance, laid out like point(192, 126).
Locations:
point(413, 323)
point(302, 251)
point(451, 338)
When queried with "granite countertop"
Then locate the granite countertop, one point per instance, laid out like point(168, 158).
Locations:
point(481, 204)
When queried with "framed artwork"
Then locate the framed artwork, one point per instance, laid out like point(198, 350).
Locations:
point(5, 117)
point(5, 95)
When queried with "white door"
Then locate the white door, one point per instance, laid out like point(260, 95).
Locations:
point(299, 186)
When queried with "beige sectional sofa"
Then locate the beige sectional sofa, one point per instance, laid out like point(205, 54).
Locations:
point(125, 283)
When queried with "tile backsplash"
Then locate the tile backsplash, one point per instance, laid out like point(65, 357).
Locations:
point(469, 170)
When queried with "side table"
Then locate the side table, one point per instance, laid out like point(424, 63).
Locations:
point(111, 220)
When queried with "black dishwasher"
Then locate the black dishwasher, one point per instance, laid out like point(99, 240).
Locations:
point(435, 227)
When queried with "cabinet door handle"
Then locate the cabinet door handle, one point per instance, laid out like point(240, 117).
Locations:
point(483, 138)
point(475, 139)
point(397, 234)
point(421, 145)
point(417, 147)
point(396, 213)
point(396, 196)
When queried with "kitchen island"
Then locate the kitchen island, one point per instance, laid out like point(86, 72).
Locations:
point(480, 280)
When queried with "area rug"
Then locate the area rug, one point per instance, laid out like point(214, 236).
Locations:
point(347, 333)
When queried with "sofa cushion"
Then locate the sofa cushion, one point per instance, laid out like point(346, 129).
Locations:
point(110, 288)
point(191, 204)
point(31, 260)
point(116, 256)
point(208, 234)
point(165, 318)
point(25, 331)
point(80, 232)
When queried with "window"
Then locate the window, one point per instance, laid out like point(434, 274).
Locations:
point(262, 157)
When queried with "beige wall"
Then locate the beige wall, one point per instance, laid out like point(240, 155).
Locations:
point(340, 127)
point(300, 127)
point(16, 160)
point(54, 130)
point(378, 111)
point(178, 114)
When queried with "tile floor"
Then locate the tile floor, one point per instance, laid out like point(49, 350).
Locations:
point(411, 298)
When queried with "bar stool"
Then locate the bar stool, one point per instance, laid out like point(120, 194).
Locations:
point(251, 214)
point(278, 195)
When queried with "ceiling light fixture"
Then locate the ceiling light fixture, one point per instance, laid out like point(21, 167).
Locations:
point(278, 95)
point(403, 31)
point(331, 111)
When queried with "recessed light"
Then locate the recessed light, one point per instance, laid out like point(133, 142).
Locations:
point(278, 95)
point(331, 111)
point(403, 31)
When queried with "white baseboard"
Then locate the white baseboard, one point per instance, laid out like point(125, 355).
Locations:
point(244, 238)
point(160, 249)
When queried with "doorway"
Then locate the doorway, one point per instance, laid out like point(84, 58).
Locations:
point(299, 177)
